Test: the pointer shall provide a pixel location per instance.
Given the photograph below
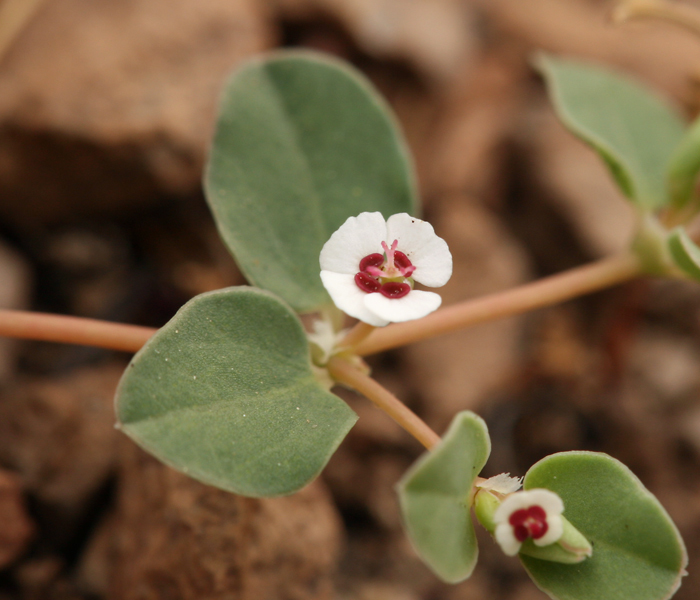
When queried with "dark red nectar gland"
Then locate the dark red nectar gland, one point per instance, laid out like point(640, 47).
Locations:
point(375, 269)
point(529, 522)
point(393, 289)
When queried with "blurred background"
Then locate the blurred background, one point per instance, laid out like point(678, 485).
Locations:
point(106, 111)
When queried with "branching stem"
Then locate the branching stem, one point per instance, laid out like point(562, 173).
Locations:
point(343, 371)
point(73, 330)
point(538, 294)
point(363, 339)
point(673, 12)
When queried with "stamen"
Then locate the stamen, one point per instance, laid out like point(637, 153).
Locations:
point(393, 289)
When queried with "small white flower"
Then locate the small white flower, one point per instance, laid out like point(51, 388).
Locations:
point(368, 267)
point(532, 514)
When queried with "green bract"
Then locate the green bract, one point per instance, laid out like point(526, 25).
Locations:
point(684, 167)
point(303, 142)
point(435, 498)
point(638, 553)
point(633, 130)
point(685, 252)
point(224, 392)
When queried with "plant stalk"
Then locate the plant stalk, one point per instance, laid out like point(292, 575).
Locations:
point(73, 330)
point(345, 372)
point(538, 294)
point(672, 12)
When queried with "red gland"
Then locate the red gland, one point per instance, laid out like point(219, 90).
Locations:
point(367, 283)
point(529, 522)
point(394, 290)
point(401, 260)
point(371, 270)
point(372, 260)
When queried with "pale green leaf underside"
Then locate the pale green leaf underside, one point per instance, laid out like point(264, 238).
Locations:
point(302, 143)
point(434, 497)
point(224, 392)
point(684, 167)
point(685, 252)
point(638, 553)
point(633, 130)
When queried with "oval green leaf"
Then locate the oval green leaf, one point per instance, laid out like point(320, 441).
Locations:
point(685, 252)
point(638, 553)
point(224, 392)
point(632, 129)
point(302, 143)
point(435, 498)
point(684, 167)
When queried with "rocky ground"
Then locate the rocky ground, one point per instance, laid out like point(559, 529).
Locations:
point(106, 110)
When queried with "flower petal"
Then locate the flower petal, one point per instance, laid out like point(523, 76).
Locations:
point(415, 305)
point(555, 529)
point(349, 298)
point(506, 539)
point(549, 501)
point(426, 251)
point(356, 238)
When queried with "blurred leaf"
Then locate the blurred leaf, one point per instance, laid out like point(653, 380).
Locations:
point(632, 129)
point(435, 498)
point(303, 142)
point(684, 167)
point(638, 553)
point(224, 393)
point(685, 252)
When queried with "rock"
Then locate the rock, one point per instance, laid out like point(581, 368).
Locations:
point(455, 371)
point(667, 364)
point(58, 434)
point(662, 55)
point(472, 127)
point(438, 37)
point(16, 527)
point(575, 180)
point(14, 294)
point(178, 538)
point(106, 105)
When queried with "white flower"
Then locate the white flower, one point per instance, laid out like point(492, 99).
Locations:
point(368, 267)
point(532, 514)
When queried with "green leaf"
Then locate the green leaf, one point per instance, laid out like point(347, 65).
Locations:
point(302, 143)
point(224, 393)
point(685, 252)
point(684, 167)
point(638, 553)
point(435, 498)
point(634, 131)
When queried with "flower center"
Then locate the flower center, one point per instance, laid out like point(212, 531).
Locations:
point(529, 522)
point(388, 276)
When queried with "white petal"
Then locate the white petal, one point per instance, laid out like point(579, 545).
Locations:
point(349, 298)
point(356, 238)
point(549, 501)
point(555, 529)
point(426, 251)
point(415, 305)
point(506, 539)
